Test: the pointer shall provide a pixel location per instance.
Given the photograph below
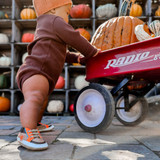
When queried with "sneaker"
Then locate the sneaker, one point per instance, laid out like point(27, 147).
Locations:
point(31, 139)
point(44, 127)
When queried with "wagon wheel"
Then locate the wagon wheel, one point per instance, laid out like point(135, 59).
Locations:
point(136, 114)
point(94, 108)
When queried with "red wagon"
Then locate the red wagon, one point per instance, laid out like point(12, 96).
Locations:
point(132, 70)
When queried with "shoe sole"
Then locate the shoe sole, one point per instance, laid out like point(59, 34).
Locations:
point(47, 129)
point(31, 146)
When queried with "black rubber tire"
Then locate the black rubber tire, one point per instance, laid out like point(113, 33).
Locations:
point(110, 108)
point(144, 111)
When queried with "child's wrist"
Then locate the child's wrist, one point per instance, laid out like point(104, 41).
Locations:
point(98, 50)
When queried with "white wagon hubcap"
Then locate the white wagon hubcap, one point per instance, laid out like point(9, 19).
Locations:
point(91, 108)
point(133, 114)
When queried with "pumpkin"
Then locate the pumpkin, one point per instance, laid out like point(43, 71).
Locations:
point(55, 106)
point(136, 85)
point(116, 32)
point(157, 13)
point(135, 10)
point(141, 34)
point(109, 10)
point(76, 64)
point(27, 37)
point(80, 82)
point(81, 11)
point(24, 57)
point(3, 38)
point(28, 13)
point(3, 81)
point(5, 61)
point(84, 33)
point(155, 27)
point(3, 15)
point(60, 83)
point(4, 104)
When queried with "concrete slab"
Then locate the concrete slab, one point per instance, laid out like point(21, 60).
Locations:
point(114, 152)
point(5, 140)
point(69, 142)
point(77, 138)
point(6, 127)
point(104, 139)
point(152, 142)
point(56, 152)
point(122, 130)
point(7, 132)
point(74, 128)
point(10, 152)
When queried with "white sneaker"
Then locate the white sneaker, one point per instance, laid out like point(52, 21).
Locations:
point(31, 139)
point(44, 127)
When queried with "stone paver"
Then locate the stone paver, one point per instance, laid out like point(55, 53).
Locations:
point(69, 142)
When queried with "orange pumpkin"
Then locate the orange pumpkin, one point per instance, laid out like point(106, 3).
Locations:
point(27, 37)
point(81, 11)
point(84, 33)
point(157, 13)
point(76, 64)
point(4, 104)
point(116, 32)
point(136, 85)
point(136, 10)
point(28, 13)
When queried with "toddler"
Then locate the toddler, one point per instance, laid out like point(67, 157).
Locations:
point(47, 54)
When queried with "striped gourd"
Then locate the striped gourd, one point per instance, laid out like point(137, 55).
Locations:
point(126, 4)
point(141, 34)
point(155, 27)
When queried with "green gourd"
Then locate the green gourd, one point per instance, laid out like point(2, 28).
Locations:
point(3, 81)
point(3, 15)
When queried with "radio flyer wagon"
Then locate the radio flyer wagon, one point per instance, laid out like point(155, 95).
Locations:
point(133, 70)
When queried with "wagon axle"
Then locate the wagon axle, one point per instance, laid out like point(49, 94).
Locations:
point(88, 108)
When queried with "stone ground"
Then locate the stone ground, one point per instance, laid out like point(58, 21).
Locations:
point(69, 142)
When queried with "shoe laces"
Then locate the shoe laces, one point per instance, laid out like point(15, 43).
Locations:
point(34, 133)
point(41, 124)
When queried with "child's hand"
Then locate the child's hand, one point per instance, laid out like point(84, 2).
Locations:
point(81, 60)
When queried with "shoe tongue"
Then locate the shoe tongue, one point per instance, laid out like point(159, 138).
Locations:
point(22, 130)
